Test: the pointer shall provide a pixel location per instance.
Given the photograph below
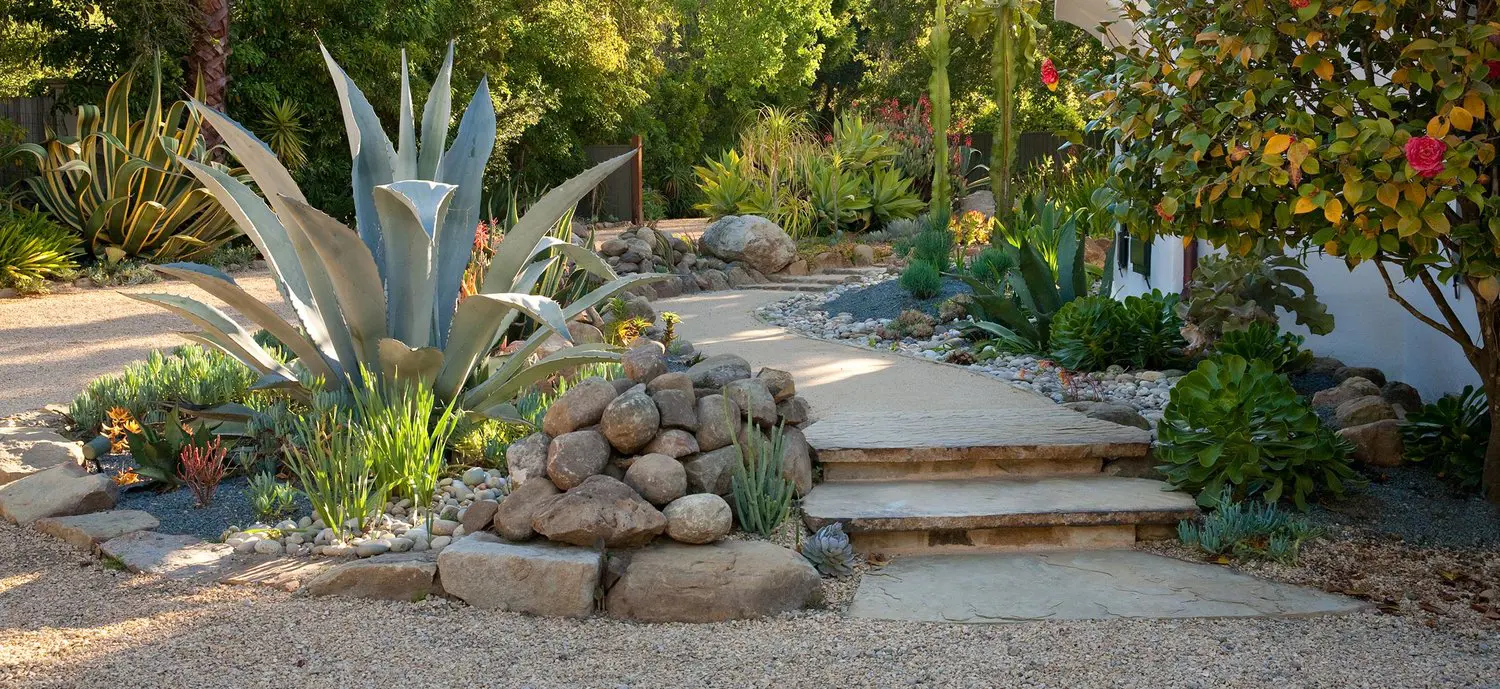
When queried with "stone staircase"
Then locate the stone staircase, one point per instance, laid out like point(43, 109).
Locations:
point(985, 480)
point(819, 282)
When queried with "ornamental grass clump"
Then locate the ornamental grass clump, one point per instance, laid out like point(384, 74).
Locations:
point(34, 249)
point(336, 474)
point(402, 437)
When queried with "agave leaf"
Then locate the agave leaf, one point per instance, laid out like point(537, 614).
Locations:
point(223, 288)
point(1037, 285)
point(502, 412)
point(353, 275)
point(400, 362)
point(559, 361)
point(406, 132)
point(411, 212)
point(476, 325)
point(374, 158)
point(435, 114)
point(584, 257)
point(463, 165)
point(541, 218)
point(610, 289)
point(218, 328)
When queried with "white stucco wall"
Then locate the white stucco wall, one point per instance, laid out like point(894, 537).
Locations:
point(1370, 328)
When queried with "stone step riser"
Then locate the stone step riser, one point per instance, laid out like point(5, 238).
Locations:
point(1008, 539)
point(946, 468)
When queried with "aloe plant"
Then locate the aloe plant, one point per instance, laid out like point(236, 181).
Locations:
point(384, 299)
point(119, 183)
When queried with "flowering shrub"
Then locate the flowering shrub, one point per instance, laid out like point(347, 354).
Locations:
point(1364, 128)
point(911, 131)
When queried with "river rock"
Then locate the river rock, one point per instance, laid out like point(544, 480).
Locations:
point(718, 421)
point(778, 382)
point(719, 370)
point(749, 238)
point(1113, 412)
point(643, 364)
point(630, 421)
point(677, 409)
point(796, 459)
point(670, 381)
point(673, 443)
point(1350, 389)
point(1362, 410)
point(793, 412)
point(582, 405)
point(600, 509)
point(526, 458)
point(573, 457)
point(514, 514)
point(751, 395)
point(1377, 444)
point(479, 516)
point(657, 478)
point(711, 472)
point(698, 519)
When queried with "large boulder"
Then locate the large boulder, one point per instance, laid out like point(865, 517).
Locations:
point(573, 457)
point(749, 238)
point(630, 421)
point(535, 578)
point(526, 458)
point(698, 519)
point(63, 490)
point(513, 516)
point(1374, 375)
point(1113, 412)
point(751, 395)
point(719, 370)
point(643, 364)
point(1402, 395)
point(657, 478)
point(796, 459)
point(670, 381)
point(711, 472)
point(1349, 389)
point(718, 421)
point(479, 515)
point(982, 201)
point(677, 409)
point(406, 577)
point(1377, 444)
point(84, 531)
point(673, 443)
point(728, 580)
point(1362, 410)
point(581, 406)
point(793, 412)
point(27, 450)
point(600, 510)
point(779, 383)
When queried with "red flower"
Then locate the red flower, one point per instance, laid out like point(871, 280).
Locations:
point(1049, 74)
point(1299, 4)
point(1426, 155)
point(1494, 66)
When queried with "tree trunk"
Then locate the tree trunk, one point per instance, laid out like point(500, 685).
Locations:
point(208, 59)
point(1486, 361)
point(1004, 74)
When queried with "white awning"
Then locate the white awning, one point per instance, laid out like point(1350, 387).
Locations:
point(1090, 15)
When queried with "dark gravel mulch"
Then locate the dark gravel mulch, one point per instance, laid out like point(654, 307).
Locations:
point(1413, 503)
point(177, 512)
point(888, 299)
point(1308, 384)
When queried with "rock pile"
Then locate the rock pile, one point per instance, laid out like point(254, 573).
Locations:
point(734, 251)
point(1368, 414)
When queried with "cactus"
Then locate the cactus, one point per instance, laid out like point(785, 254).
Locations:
point(762, 495)
point(828, 550)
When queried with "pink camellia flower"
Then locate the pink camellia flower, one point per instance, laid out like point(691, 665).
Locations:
point(1049, 74)
point(1426, 155)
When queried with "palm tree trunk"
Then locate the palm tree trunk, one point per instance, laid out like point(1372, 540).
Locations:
point(208, 59)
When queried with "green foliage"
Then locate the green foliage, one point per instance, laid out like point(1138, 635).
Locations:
point(271, 499)
point(1090, 333)
point(993, 267)
point(403, 437)
point(1021, 321)
point(1239, 426)
point(1247, 530)
point(724, 183)
point(335, 470)
point(922, 280)
point(1452, 434)
point(836, 196)
point(190, 375)
point(762, 495)
point(1263, 341)
point(121, 183)
point(285, 133)
point(829, 551)
point(1230, 292)
point(157, 448)
point(34, 248)
point(891, 196)
point(909, 323)
point(933, 246)
point(484, 442)
point(1155, 330)
point(942, 109)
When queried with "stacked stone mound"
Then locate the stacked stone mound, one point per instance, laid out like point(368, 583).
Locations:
point(735, 251)
point(640, 468)
point(1367, 410)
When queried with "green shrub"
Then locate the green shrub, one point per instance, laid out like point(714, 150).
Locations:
point(331, 463)
point(934, 246)
point(1232, 291)
point(1247, 530)
point(1451, 434)
point(1238, 425)
point(909, 323)
point(405, 441)
point(189, 375)
point(762, 495)
point(1090, 333)
point(992, 266)
point(922, 280)
point(1155, 330)
point(33, 249)
point(1264, 341)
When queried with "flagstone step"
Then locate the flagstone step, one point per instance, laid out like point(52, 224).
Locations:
point(998, 514)
point(950, 444)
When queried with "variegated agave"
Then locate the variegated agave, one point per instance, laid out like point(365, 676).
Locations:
point(118, 183)
point(385, 299)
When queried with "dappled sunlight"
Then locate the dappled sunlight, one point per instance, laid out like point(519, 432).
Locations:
point(10, 583)
point(837, 371)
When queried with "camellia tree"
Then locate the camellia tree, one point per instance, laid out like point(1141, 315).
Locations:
point(1365, 129)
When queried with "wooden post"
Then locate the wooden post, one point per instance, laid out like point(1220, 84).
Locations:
point(637, 184)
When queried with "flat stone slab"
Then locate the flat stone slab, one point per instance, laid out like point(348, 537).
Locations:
point(283, 573)
point(64, 490)
point(1087, 585)
point(174, 556)
point(87, 530)
point(25, 450)
point(995, 502)
point(406, 577)
point(914, 436)
point(542, 578)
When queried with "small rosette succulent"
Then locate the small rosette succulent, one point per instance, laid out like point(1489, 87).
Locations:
point(828, 550)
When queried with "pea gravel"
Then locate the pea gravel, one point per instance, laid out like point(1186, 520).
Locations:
point(67, 622)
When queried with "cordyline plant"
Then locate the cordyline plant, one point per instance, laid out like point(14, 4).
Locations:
point(1366, 129)
point(385, 299)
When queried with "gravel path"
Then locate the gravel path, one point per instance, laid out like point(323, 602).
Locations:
point(51, 346)
point(66, 625)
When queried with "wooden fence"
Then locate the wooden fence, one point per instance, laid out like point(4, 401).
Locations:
point(35, 117)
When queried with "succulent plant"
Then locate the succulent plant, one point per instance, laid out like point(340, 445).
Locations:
point(828, 550)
